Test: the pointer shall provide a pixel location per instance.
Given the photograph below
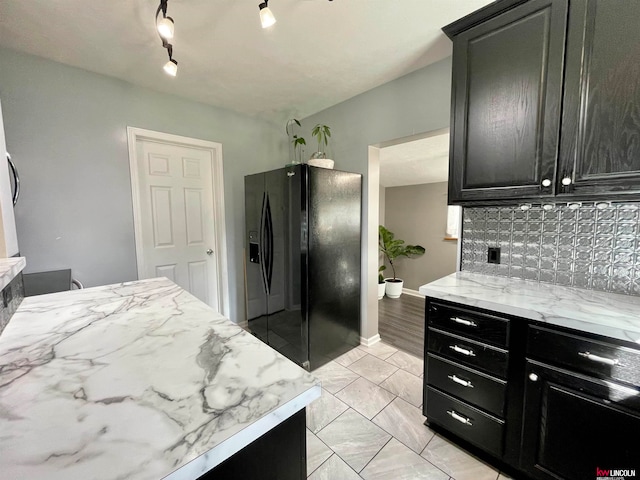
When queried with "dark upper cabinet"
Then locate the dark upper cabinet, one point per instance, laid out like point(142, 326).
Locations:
point(546, 102)
point(507, 90)
point(600, 148)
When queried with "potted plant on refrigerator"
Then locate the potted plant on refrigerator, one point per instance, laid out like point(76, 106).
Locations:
point(392, 249)
point(381, 283)
point(319, 158)
point(295, 142)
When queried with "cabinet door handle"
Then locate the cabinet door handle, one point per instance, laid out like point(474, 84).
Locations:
point(566, 181)
point(460, 381)
point(546, 182)
point(460, 418)
point(596, 358)
point(464, 351)
point(462, 321)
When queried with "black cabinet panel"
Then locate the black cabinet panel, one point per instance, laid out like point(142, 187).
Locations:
point(468, 352)
point(601, 120)
point(507, 88)
point(573, 425)
point(465, 421)
point(467, 384)
point(469, 323)
point(280, 454)
point(593, 357)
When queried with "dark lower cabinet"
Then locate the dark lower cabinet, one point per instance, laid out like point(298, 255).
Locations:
point(280, 454)
point(575, 425)
point(561, 404)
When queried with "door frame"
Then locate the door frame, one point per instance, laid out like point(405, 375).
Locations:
point(217, 182)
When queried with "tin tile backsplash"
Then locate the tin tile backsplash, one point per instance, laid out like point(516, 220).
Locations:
point(585, 247)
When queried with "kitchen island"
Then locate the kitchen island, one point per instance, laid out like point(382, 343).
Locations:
point(138, 380)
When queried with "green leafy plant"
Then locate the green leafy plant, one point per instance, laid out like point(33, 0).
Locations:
point(296, 141)
point(322, 133)
point(381, 269)
point(393, 248)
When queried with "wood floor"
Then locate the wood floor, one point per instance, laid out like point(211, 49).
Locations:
point(401, 323)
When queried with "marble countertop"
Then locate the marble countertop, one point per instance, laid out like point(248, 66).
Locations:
point(139, 380)
point(609, 314)
point(9, 268)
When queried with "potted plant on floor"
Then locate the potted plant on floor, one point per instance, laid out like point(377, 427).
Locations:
point(393, 248)
point(319, 158)
point(381, 283)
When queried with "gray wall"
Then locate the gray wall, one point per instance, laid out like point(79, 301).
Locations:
point(66, 131)
point(417, 214)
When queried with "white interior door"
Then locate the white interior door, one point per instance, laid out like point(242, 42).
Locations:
point(176, 229)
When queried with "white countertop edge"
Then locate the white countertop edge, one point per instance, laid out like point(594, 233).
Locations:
point(559, 321)
point(10, 268)
point(205, 462)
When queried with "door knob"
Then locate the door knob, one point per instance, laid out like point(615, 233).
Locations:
point(566, 181)
point(209, 252)
point(546, 182)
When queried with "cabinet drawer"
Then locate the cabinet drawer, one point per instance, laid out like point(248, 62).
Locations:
point(469, 385)
point(465, 421)
point(594, 357)
point(480, 326)
point(468, 352)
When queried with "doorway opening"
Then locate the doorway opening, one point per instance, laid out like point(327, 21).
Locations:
point(407, 192)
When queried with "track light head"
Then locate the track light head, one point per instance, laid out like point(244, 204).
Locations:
point(165, 27)
point(171, 67)
point(266, 16)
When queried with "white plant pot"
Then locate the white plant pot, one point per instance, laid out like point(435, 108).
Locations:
point(321, 162)
point(393, 289)
point(381, 289)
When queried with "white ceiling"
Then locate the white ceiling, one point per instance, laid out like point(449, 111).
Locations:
point(415, 162)
point(319, 53)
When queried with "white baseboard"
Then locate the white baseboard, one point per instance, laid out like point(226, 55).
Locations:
point(367, 342)
point(413, 293)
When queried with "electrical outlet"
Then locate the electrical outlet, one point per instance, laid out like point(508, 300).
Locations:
point(493, 255)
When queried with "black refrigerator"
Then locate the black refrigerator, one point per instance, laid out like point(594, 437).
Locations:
point(302, 262)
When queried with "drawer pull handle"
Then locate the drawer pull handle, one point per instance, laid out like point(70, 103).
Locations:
point(596, 358)
point(462, 321)
point(459, 381)
point(460, 418)
point(464, 351)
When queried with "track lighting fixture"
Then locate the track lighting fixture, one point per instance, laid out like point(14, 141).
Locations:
point(171, 67)
point(266, 16)
point(165, 27)
point(166, 30)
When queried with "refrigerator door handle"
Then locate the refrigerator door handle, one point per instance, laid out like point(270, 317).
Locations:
point(269, 259)
point(263, 228)
point(16, 180)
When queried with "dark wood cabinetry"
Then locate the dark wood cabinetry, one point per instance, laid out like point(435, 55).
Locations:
point(507, 88)
point(600, 149)
point(574, 424)
point(559, 404)
point(546, 102)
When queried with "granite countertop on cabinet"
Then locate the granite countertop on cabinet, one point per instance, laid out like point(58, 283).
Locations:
point(138, 380)
point(609, 314)
point(10, 268)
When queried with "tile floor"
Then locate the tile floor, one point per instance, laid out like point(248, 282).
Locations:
point(368, 424)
